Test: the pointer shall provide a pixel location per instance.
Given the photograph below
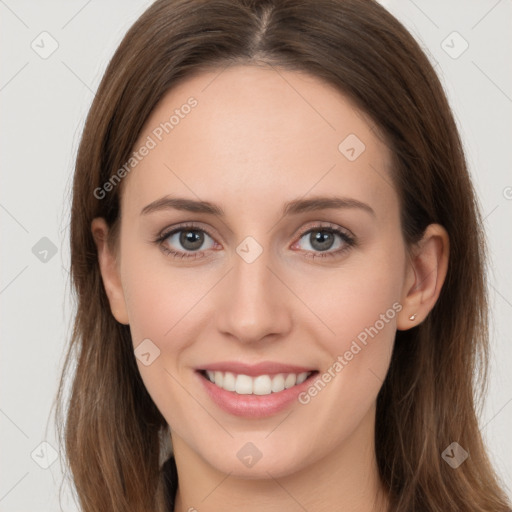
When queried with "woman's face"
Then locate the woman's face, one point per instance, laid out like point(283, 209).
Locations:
point(267, 283)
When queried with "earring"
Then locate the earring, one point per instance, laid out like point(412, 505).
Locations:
point(412, 317)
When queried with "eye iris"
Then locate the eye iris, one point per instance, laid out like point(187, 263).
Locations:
point(195, 238)
point(321, 237)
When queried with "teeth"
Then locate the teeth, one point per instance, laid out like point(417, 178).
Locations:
point(219, 377)
point(260, 385)
point(302, 377)
point(243, 385)
point(229, 383)
point(277, 383)
point(290, 380)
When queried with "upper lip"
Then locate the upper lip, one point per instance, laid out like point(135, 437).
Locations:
point(253, 370)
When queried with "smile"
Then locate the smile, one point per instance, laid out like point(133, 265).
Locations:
point(257, 385)
point(254, 391)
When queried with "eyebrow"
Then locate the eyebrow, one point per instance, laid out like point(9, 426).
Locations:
point(290, 208)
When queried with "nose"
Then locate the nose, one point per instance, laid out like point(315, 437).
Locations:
point(255, 304)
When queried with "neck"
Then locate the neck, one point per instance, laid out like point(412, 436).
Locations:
point(345, 479)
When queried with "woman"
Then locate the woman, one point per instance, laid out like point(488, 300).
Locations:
point(278, 260)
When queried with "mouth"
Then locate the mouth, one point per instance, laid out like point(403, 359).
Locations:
point(260, 385)
point(257, 391)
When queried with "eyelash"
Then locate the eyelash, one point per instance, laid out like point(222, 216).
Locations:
point(348, 240)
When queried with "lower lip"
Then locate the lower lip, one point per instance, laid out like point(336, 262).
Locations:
point(253, 406)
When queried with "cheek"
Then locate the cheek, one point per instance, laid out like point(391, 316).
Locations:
point(165, 311)
point(159, 299)
point(359, 305)
point(166, 306)
point(362, 295)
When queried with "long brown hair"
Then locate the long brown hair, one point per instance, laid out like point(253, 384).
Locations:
point(115, 437)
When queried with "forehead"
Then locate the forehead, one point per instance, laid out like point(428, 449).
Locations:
point(247, 133)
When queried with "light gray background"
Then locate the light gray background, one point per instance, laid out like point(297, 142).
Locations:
point(44, 103)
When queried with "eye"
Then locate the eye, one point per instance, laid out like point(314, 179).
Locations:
point(321, 239)
point(188, 242)
point(185, 242)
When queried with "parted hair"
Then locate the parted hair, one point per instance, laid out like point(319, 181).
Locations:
point(114, 435)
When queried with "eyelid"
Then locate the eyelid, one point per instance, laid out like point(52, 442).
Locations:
point(348, 238)
point(325, 225)
point(167, 232)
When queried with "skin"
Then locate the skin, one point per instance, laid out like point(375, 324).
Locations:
point(260, 137)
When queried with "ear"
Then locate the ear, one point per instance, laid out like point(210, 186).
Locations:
point(109, 271)
point(425, 275)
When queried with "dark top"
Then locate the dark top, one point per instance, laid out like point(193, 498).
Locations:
point(171, 482)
